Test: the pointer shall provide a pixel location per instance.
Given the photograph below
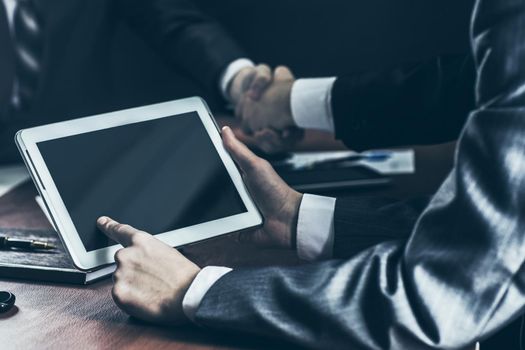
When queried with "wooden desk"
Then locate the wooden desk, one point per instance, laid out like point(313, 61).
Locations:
point(51, 316)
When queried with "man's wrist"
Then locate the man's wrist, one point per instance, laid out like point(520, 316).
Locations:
point(230, 73)
point(290, 121)
point(315, 227)
point(295, 220)
point(310, 103)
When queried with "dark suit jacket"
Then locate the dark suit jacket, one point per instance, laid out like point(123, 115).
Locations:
point(76, 77)
point(460, 276)
point(423, 103)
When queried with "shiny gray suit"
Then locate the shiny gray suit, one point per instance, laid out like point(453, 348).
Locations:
point(460, 276)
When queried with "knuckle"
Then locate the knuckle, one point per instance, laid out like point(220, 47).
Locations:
point(119, 293)
point(137, 255)
point(118, 256)
point(264, 70)
point(109, 226)
point(138, 239)
point(254, 163)
point(261, 163)
point(135, 240)
point(262, 78)
point(267, 165)
point(117, 275)
point(123, 256)
point(121, 228)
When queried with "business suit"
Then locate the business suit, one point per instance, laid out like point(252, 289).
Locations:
point(458, 279)
point(75, 78)
point(420, 103)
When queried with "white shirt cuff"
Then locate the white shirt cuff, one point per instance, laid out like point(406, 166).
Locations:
point(315, 228)
point(311, 102)
point(199, 287)
point(230, 72)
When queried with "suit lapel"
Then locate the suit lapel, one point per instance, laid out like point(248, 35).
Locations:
point(6, 62)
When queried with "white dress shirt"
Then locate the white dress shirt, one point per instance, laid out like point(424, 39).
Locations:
point(311, 109)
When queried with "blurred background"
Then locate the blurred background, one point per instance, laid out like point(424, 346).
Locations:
point(313, 37)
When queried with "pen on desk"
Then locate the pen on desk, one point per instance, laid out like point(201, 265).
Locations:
point(28, 244)
point(369, 156)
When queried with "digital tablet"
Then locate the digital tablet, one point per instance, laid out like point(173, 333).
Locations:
point(160, 168)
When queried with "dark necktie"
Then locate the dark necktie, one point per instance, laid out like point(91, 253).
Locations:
point(28, 47)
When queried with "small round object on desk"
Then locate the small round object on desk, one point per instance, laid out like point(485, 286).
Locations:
point(7, 301)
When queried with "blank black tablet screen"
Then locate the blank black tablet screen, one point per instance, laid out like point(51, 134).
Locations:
point(157, 175)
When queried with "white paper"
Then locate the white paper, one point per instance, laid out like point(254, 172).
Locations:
point(12, 176)
point(400, 161)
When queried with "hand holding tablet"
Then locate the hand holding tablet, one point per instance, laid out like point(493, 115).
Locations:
point(278, 203)
point(148, 286)
point(162, 168)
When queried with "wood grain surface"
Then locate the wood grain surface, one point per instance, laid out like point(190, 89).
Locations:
point(50, 316)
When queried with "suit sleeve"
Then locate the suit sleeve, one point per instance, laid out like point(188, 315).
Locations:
point(460, 276)
point(424, 103)
point(184, 35)
point(360, 223)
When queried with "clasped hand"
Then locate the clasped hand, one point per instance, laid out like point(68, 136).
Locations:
point(152, 278)
point(262, 100)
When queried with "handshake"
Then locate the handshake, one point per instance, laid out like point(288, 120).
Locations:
point(262, 101)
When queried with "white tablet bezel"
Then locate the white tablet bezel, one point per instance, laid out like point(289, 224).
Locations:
point(27, 143)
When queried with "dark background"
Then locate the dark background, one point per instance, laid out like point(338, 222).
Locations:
point(313, 37)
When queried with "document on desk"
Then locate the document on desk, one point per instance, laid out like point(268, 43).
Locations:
point(12, 176)
point(398, 162)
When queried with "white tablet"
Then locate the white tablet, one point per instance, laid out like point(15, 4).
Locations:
point(161, 168)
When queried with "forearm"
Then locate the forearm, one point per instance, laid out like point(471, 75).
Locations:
point(312, 305)
point(421, 103)
point(361, 223)
point(185, 36)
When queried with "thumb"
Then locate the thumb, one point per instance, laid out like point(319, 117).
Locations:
point(245, 158)
point(283, 73)
point(260, 81)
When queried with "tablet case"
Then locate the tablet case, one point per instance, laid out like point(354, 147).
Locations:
point(48, 266)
